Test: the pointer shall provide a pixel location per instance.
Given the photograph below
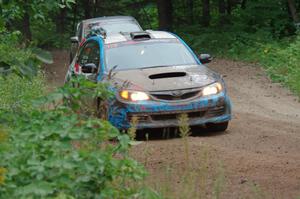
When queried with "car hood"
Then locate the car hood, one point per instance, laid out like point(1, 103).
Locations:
point(165, 78)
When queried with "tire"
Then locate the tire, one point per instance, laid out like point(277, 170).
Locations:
point(218, 127)
point(101, 109)
point(71, 57)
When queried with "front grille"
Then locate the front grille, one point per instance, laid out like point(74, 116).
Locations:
point(208, 113)
point(174, 116)
point(175, 95)
point(217, 111)
point(140, 118)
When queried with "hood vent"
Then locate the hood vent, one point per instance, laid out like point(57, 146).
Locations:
point(167, 75)
point(140, 35)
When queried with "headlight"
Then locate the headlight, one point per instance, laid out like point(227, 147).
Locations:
point(212, 89)
point(134, 95)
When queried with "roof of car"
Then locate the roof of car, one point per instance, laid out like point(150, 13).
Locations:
point(123, 37)
point(109, 18)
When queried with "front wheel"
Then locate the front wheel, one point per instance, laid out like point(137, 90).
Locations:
point(101, 109)
point(71, 56)
point(217, 127)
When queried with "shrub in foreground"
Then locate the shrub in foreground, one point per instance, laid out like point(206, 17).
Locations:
point(56, 152)
point(17, 93)
point(60, 153)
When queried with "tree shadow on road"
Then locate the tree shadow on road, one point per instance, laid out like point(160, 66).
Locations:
point(205, 132)
point(173, 133)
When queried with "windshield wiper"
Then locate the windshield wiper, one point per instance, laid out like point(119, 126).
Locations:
point(111, 72)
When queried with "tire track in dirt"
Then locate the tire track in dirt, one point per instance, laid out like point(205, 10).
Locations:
point(260, 147)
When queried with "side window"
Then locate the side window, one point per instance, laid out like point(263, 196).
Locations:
point(90, 53)
point(79, 32)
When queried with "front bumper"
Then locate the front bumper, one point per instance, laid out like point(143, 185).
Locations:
point(161, 114)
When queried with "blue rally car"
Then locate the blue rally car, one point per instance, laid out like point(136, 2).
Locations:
point(156, 77)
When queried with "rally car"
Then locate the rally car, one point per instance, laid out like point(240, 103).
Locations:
point(112, 24)
point(156, 78)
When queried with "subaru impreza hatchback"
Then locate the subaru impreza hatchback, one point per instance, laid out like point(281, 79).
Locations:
point(156, 78)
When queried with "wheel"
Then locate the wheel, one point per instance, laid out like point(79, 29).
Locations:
point(71, 57)
point(218, 127)
point(101, 109)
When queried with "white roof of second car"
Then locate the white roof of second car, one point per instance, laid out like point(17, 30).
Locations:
point(115, 38)
point(122, 37)
point(161, 34)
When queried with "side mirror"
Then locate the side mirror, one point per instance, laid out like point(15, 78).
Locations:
point(74, 39)
point(89, 68)
point(205, 58)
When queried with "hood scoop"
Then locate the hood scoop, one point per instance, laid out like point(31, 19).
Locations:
point(142, 35)
point(167, 75)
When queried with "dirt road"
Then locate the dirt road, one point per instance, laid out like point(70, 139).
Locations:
point(257, 157)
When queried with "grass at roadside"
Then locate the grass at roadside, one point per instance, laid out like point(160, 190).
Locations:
point(62, 153)
point(17, 93)
point(279, 57)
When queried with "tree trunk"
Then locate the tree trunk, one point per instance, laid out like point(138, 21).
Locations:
point(74, 23)
point(97, 12)
point(222, 11)
point(293, 11)
point(165, 14)
point(229, 7)
point(26, 23)
point(61, 21)
point(206, 12)
point(190, 5)
point(243, 4)
point(87, 9)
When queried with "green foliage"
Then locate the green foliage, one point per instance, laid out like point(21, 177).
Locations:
point(263, 15)
point(184, 128)
point(281, 62)
point(38, 9)
point(262, 33)
point(42, 22)
point(3, 138)
point(133, 128)
point(61, 153)
point(280, 57)
point(147, 16)
point(185, 131)
point(17, 93)
point(79, 95)
point(24, 62)
point(45, 35)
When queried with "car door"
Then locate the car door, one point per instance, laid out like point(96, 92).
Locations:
point(89, 55)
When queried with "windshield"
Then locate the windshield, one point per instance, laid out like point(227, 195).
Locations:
point(113, 27)
point(148, 54)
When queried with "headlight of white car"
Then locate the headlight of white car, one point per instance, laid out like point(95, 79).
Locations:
point(134, 95)
point(212, 89)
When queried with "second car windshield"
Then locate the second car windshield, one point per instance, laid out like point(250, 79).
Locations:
point(114, 27)
point(148, 54)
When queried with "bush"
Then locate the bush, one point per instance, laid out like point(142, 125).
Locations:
point(280, 57)
point(17, 59)
point(57, 152)
point(61, 153)
point(45, 35)
point(17, 93)
point(20, 79)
